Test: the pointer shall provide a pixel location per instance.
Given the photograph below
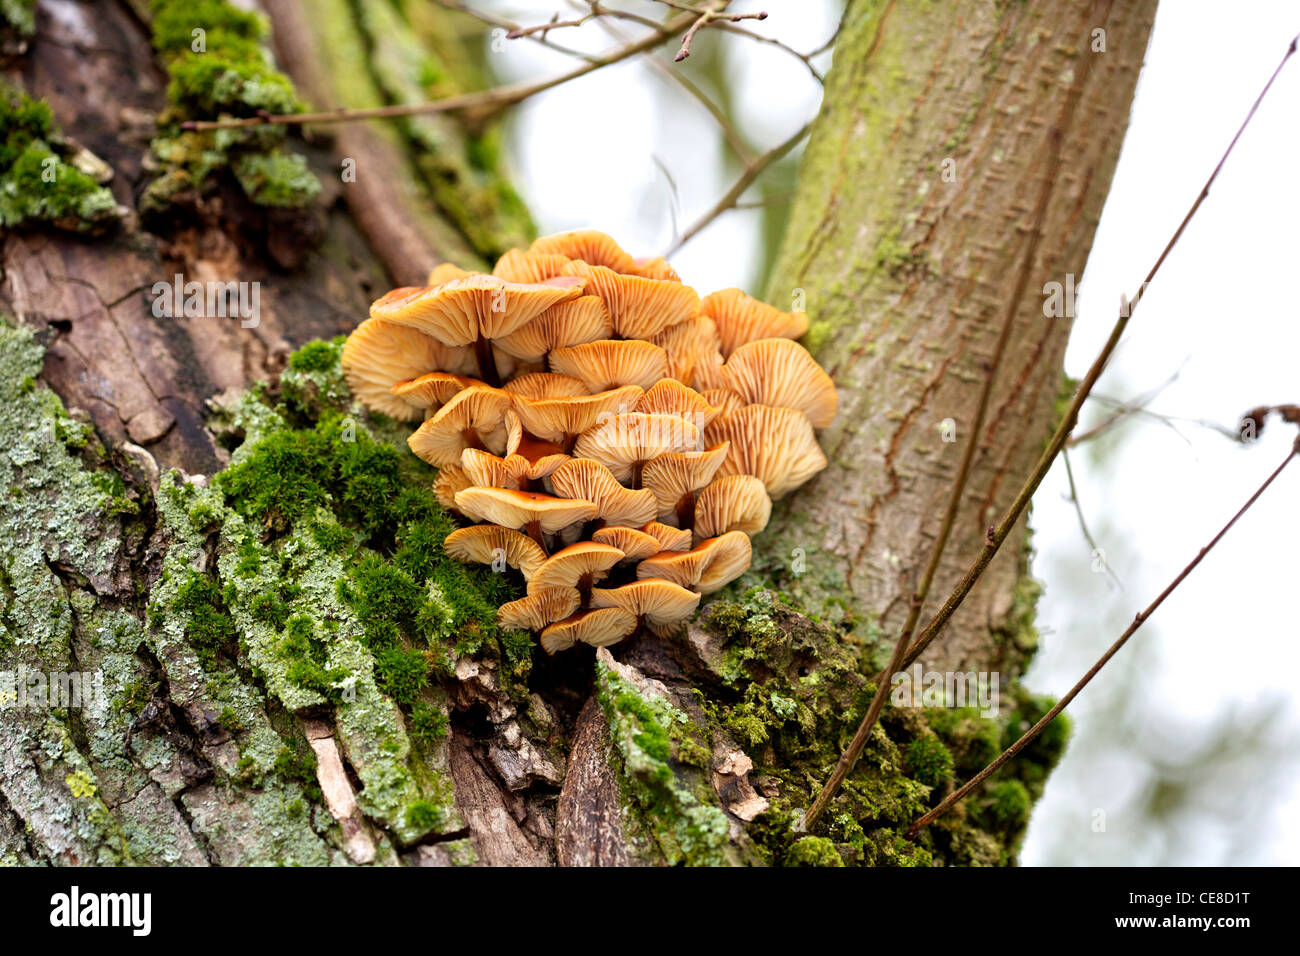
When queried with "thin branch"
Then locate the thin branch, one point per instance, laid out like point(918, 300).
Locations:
point(711, 15)
point(849, 758)
point(491, 100)
point(999, 533)
point(752, 171)
point(510, 26)
point(1139, 619)
point(805, 58)
point(1083, 523)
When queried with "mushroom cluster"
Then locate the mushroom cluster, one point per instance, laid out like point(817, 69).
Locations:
point(614, 437)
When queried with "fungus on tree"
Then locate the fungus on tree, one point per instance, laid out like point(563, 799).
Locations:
point(709, 566)
point(490, 543)
point(378, 354)
point(599, 628)
point(610, 363)
point(775, 445)
point(474, 418)
point(535, 513)
point(614, 438)
point(538, 609)
point(474, 311)
point(732, 503)
point(654, 600)
point(563, 419)
point(739, 318)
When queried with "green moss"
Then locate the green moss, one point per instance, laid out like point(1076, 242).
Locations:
point(929, 761)
point(210, 628)
point(19, 16)
point(679, 817)
point(798, 693)
point(814, 851)
point(39, 186)
point(423, 815)
point(316, 356)
point(218, 65)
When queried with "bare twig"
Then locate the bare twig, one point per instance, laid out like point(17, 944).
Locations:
point(1139, 619)
point(849, 758)
point(752, 171)
point(708, 16)
point(484, 100)
point(999, 533)
point(509, 26)
point(1083, 523)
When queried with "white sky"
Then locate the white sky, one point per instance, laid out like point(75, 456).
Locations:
point(1220, 315)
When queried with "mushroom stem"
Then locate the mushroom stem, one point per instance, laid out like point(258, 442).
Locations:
point(686, 511)
point(584, 589)
point(637, 468)
point(487, 363)
point(534, 529)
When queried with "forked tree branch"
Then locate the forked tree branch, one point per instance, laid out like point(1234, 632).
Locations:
point(1139, 619)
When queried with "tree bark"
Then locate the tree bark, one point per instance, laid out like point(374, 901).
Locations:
point(908, 272)
point(699, 748)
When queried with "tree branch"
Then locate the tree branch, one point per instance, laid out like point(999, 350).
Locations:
point(1139, 619)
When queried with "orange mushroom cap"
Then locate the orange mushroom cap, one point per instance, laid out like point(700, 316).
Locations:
point(576, 566)
point(658, 601)
point(474, 417)
point(775, 445)
point(445, 272)
point(635, 545)
point(519, 509)
point(462, 311)
point(688, 345)
point(587, 479)
point(638, 307)
point(534, 612)
point(624, 443)
point(610, 363)
point(546, 385)
point(490, 543)
point(574, 322)
point(433, 390)
point(674, 476)
point(732, 503)
point(709, 566)
point(781, 373)
point(527, 267)
point(378, 354)
point(449, 480)
point(599, 628)
point(589, 245)
point(561, 419)
point(669, 538)
point(741, 318)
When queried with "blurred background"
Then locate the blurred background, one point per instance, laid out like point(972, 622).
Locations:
point(1185, 749)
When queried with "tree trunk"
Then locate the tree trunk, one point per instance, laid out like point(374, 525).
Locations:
point(908, 230)
point(251, 632)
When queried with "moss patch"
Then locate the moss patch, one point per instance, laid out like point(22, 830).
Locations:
point(218, 66)
point(39, 185)
point(793, 694)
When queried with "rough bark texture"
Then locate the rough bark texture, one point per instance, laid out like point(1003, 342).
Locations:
point(907, 278)
point(256, 631)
